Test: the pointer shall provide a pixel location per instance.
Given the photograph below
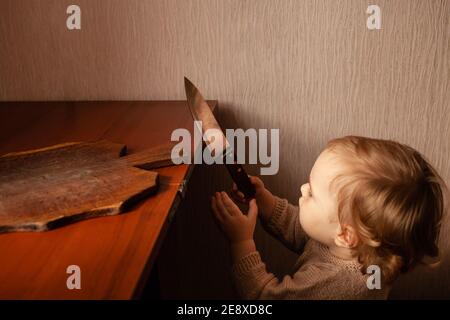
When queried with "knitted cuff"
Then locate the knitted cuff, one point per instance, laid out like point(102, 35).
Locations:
point(246, 264)
point(280, 207)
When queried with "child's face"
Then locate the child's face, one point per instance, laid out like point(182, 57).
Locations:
point(318, 204)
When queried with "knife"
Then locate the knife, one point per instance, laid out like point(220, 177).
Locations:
point(201, 112)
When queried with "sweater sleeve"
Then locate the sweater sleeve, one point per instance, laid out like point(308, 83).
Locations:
point(284, 224)
point(252, 281)
point(315, 281)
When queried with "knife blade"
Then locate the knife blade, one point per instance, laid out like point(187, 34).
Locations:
point(201, 112)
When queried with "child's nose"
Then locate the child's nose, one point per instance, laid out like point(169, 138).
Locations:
point(304, 190)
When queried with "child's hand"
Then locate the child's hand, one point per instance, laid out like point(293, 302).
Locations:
point(256, 182)
point(236, 226)
point(264, 198)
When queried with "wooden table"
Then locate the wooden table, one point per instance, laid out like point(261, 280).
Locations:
point(115, 254)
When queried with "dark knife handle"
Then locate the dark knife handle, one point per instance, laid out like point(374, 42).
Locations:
point(241, 179)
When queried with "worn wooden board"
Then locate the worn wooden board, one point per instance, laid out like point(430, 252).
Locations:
point(45, 188)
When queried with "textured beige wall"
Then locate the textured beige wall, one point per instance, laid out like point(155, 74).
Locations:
point(310, 68)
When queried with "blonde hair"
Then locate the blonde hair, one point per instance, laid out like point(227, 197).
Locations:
point(393, 198)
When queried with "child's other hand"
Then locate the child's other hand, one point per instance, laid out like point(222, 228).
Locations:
point(236, 226)
point(264, 198)
point(256, 182)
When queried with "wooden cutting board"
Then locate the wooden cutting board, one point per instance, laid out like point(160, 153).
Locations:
point(44, 188)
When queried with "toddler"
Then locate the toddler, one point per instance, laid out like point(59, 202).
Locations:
point(368, 202)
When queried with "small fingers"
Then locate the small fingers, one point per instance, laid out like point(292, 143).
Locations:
point(230, 206)
point(240, 194)
point(237, 195)
point(257, 182)
point(252, 210)
point(221, 206)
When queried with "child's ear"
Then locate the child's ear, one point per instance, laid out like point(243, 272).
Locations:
point(346, 237)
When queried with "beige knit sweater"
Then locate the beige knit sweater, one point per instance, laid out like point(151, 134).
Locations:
point(318, 273)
